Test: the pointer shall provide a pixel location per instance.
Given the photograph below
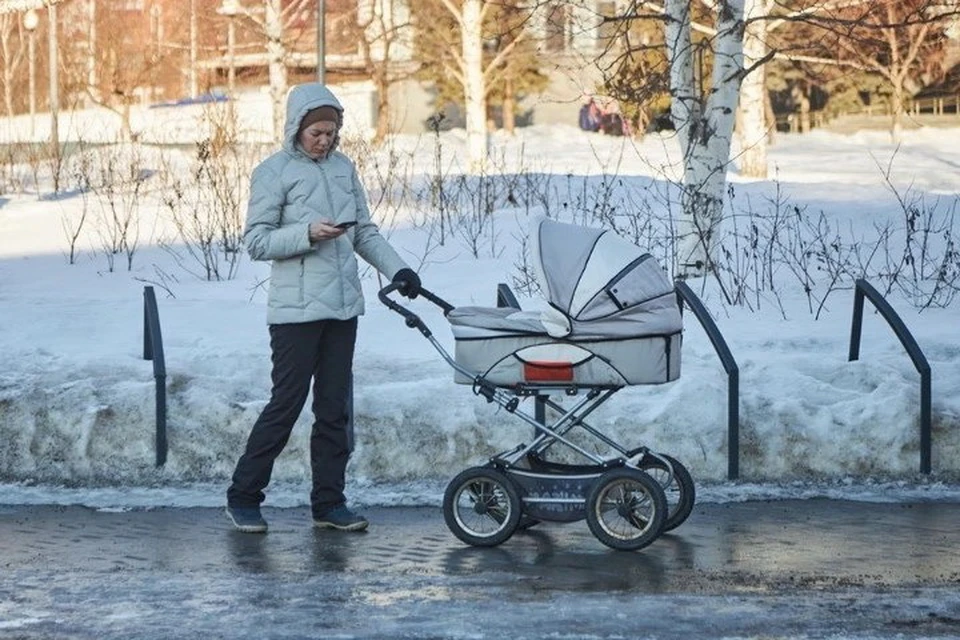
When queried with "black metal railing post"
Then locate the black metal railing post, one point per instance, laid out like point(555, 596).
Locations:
point(153, 350)
point(505, 297)
point(865, 290)
point(686, 294)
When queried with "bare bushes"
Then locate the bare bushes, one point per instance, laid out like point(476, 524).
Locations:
point(769, 248)
point(204, 196)
point(779, 247)
point(199, 193)
point(111, 182)
point(25, 166)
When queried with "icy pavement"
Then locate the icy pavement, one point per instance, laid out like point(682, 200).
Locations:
point(756, 569)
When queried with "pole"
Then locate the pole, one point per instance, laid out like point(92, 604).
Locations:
point(54, 86)
point(194, 90)
point(321, 43)
point(231, 56)
point(93, 82)
point(32, 65)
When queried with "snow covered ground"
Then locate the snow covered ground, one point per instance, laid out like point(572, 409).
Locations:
point(77, 398)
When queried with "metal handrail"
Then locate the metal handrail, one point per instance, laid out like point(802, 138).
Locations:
point(505, 297)
point(153, 350)
point(686, 294)
point(865, 289)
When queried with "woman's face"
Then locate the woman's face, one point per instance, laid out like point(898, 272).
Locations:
point(317, 139)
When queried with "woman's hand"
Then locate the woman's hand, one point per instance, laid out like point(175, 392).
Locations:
point(324, 230)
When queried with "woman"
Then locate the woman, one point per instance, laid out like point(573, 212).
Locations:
point(308, 215)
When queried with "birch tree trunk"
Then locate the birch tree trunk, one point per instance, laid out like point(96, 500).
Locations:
point(474, 84)
point(897, 110)
point(11, 58)
point(509, 108)
point(277, 70)
point(704, 127)
point(752, 117)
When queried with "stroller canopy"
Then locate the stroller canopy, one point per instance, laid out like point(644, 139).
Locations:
point(599, 285)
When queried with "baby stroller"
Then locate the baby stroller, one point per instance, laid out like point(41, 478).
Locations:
point(613, 320)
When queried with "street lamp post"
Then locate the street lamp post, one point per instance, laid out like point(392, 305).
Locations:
point(30, 22)
point(54, 83)
point(194, 82)
point(231, 8)
point(321, 42)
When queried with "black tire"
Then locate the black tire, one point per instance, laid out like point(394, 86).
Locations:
point(626, 509)
point(481, 507)
point(678, 487)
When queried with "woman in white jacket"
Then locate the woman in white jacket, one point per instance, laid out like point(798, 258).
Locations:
point(308, 215)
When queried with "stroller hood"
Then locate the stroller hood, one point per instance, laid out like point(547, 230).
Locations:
point(599, 284)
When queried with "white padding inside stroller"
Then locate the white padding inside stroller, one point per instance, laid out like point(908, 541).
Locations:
point(613, 318)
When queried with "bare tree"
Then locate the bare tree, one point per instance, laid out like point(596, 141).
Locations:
point(704, 65)
point(518, 72)
point(752, 125)
point(280, 24)
point(459, 53)
point(704, 123)
point(467, 67)
point(12, 48)
point(382, 28)
point(902, 41)
point(130, 57)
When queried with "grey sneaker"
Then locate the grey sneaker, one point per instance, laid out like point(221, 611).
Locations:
point(247, 519)
point(340, 518)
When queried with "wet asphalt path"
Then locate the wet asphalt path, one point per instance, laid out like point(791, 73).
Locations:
point(781, 569)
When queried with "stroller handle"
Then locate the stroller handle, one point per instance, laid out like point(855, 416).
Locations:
point(412, 319)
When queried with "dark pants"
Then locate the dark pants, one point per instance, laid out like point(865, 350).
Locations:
point(321, 351)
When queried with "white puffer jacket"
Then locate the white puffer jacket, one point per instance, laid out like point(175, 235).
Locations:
point(288, 191)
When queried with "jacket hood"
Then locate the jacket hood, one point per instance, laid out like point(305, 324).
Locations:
point(301, 99)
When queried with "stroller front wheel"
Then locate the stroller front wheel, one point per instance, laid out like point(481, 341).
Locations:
point(481, 507)
point(626, 509)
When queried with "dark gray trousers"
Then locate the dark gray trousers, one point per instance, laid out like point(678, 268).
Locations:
point(321, 352)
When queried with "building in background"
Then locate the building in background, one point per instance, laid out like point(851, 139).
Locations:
point(122, 53)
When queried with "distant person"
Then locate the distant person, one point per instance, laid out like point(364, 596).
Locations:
point(308, 215)
point(590, 116)
point(612, 124)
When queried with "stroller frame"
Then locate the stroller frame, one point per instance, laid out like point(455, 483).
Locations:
point(624, 498)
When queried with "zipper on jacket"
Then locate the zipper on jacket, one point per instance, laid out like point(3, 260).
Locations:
point(301, 279)
point(336, 247)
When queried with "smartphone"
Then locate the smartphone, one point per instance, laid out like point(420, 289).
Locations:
point(346, 225)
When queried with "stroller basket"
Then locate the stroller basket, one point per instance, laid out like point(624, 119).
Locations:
point(553, 497)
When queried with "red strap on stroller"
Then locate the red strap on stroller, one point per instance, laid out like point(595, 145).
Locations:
point(547, 371)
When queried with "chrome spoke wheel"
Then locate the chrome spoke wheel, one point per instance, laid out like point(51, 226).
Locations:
point(481, 507)
point(626, 509)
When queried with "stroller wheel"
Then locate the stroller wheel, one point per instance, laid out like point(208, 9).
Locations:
point(626, 509)
point(481, 507)
point(678, 488)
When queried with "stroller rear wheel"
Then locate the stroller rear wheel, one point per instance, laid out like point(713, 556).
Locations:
point(678, 489)
point(626, 509)
point(481, 507)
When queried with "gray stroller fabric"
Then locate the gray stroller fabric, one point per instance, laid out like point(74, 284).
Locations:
point(600, 285)
point(499, 318)
point(613, 318)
